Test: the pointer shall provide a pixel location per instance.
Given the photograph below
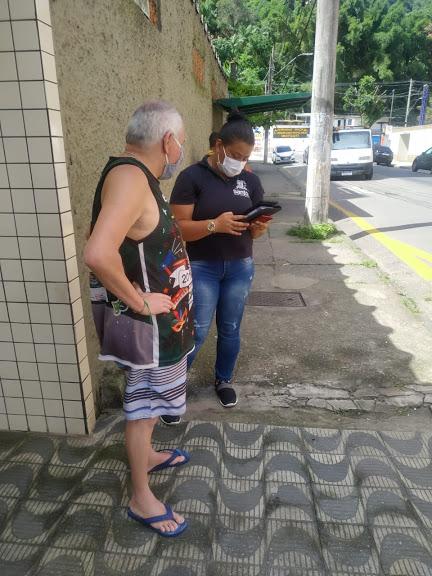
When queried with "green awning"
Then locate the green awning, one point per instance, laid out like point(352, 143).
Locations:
point(254, 104)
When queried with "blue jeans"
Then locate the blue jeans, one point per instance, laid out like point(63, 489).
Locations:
point(220, 286)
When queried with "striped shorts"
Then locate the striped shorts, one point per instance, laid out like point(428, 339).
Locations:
point(154, 392)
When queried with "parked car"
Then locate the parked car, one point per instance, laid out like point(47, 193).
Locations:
point(306, 155)
point(423, 162)
point(382, 155)
point(282, 154)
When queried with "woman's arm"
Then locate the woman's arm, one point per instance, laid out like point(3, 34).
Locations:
point(226, 223)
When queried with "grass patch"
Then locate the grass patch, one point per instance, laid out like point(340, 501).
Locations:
point(410, 304)
point(313, 231)
point(428, 298)
point(369, 264)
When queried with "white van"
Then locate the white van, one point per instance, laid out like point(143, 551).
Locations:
point(352, 153)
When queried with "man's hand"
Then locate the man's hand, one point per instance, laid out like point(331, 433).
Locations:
point(258, 228)
point(229, 223)
point(157, 302)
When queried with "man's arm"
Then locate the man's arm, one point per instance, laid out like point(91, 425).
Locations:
point(126, 195)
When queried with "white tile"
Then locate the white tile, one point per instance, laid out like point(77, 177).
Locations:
point(34, 406)
point(43, 175)
point(7, 351)
point(48, 372)
point(18, 312)
point(10, 96)
point(4, 422)
point(52, 248)
point(19, 176)
point(82, 349)
point(30, 248)
point(66, 354)
point(40, 314)
point(52, 96)
point(61, 175)
point(77, 310)
point(4, 10)
point(51, 390)
point(74, 290)
point(42, 333)
point(87, 386)
point(69, 246)
point(36, 122)
point(25, 35)
point(7, 66)
point(17, 422)
point(64, 199)
point(22, 332)
point(15, 405)
point(46, 200)
point(79, 330)
point(55, 123)
point(58, 293)
point(4, 316)
point(12, 388)
point(56, 425)
point(72, 268)
point(4, 180)
point(12, 123)
point(9, 248)
point(6, 43)
point(28, 370)
point(84, 368)
point(2, 156)
point(75, 426)
point(68, 373)
point(11, 270)
point(2, 406)
point(5, 332)
point(63, 334)
point(39, 151)
point(55, 271)
point(71, 391)
point(8, 369)
point(26, 225)
point(31, 389)
point(46, 38)
point(22, 10)
point(43, 11)
point(49, 67)
point(23, 200)
point(33, 270)
point(53, 407)
point(15, 149)
point(29, 65)
point(67, 223)
point(2, 295)
point(7, 225)
point(5, 199)
point(58, 150)
point(45, 352)
point(49, 225)
point(37, 423)
point(15, 292)
point(61, 314)
point(33, 94)
point(89, 404)
point(73, 408)
point(36, 292)
point(25, 352)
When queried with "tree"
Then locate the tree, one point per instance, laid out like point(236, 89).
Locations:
point(366, 99)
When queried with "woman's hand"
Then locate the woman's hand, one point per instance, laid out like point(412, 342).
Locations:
point(229, 223)
point(258, 228)
point(157, 303)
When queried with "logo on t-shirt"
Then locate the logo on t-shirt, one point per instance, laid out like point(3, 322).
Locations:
point(241, 189)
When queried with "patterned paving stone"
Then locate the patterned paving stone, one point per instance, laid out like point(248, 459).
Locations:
point(403, 551)
point(19, 559)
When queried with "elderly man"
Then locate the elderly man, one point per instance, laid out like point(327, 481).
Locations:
point(141, 292)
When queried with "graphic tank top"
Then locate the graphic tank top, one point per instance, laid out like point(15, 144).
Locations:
point(157, 263)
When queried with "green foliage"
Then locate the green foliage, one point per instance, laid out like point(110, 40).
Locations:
point(366, 99)
point(313, 231)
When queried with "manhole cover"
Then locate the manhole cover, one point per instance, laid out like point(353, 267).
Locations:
point(277, 299)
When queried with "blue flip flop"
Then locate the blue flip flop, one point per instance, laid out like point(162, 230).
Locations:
point(152, 520)
point(175, 453)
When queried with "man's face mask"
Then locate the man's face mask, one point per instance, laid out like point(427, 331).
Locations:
point(230, 166)
point(172, 167)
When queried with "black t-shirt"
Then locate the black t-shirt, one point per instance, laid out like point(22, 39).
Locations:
point(212, 195)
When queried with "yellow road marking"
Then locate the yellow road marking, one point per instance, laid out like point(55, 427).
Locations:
point(418, 260)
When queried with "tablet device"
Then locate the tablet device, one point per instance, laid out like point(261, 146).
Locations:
point(262, 209)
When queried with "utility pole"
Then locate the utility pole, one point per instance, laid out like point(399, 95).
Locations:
point(408, 102)
point(321, 131)
point(268, 90)
point(391, 107)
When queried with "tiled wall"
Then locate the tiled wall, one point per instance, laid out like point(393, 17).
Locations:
point(44, 371)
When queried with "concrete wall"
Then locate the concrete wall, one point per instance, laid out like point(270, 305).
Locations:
point(407, 143)
point(72, 73)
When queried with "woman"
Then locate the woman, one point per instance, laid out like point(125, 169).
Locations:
point(208, 201)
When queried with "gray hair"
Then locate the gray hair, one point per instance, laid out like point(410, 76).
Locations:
point(151, 121)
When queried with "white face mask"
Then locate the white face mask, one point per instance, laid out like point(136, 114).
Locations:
point(230, 166)
point(171, 167)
